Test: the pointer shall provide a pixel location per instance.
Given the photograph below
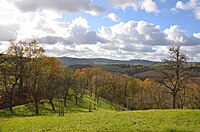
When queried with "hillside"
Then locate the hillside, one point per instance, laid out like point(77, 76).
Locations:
point(45, 109)
point(128, 121)
point(86, 61)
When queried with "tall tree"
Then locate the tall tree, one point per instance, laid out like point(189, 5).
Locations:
point(173, 73)
point(36, 71)
point(9, 79)
point(67, 79)
point(52, 77)
point(13, 70)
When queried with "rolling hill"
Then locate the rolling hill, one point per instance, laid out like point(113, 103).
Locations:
point(86, 61)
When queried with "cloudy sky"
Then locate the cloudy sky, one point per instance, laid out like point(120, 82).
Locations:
point(114, 29)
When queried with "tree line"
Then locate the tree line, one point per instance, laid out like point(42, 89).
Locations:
point(28, 75)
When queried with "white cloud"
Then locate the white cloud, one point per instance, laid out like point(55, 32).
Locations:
point(125, 40)
point(61, 5)
point(77, 33)
point(44, 26)
point(137, 33)
point(136, 38)
point(197, 35)
point(193, 5)
point(92, 13)
point(112, 16)
point(123, 4)
point(176, 35)
point(147, 5)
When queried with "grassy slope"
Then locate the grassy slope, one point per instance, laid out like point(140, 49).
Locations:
point(83, 105)
point(149, 120)
point(77, 118)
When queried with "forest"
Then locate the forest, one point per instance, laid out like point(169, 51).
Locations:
point(27, 75)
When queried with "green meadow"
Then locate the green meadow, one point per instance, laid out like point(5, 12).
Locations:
point(104, 118)
point(147, 120)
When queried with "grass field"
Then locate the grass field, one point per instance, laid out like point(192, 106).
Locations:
point(83, 106)
point(105, 118)
point(148, 120)
point(111, 68)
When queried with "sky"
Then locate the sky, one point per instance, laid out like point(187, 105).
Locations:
point(113, 29)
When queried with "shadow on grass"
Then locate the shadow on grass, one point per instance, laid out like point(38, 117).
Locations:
point(28, 110)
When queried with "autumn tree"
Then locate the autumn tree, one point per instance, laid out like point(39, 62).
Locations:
point(35, 79)
point(52, 78)
point(132, 100)
point(9, 79)
point(67, 79)
point(97, 84)
point(14, 70)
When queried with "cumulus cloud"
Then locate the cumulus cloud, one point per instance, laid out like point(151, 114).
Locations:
point(61, 5)
point(44, 27)
point(137, 32)
point(124, 40)
point(79, 33)
point(176, 35)
point(193, 5)
point(147, 5)
point(112, 16)
point(197, 35)
point(75, 32)
point(140, 37)
point(132, 36)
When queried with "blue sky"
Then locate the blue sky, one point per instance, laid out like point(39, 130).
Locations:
point(165, 18)
point(115, 29)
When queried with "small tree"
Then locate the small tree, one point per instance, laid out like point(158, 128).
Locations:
point(173, 73)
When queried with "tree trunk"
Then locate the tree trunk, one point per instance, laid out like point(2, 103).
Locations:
point(76, 98)
point(82, 93)
point(36, 107)
point(65, 101)
point(125, 91)
point(52, 105)
point(66, 94)
point(174, 101)
point(10, 105)
point(98, 102)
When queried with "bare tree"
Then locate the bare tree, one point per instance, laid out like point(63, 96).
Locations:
point(173, 73)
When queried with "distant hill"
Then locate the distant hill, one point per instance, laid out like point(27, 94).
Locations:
point(86, 61)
